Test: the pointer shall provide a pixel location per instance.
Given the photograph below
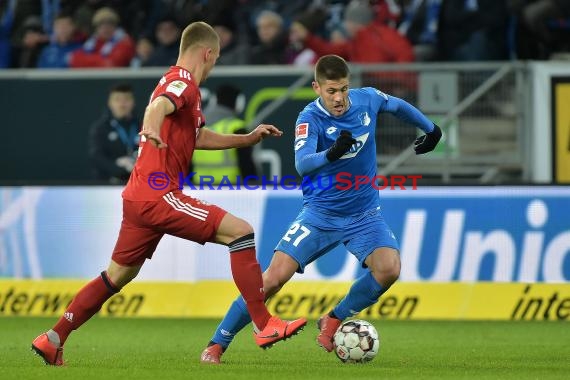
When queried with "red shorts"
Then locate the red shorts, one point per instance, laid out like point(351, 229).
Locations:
point(145, 223)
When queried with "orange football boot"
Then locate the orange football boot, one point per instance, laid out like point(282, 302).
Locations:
point(327, 326)
point(277, 330)
point(51, 354)
point(212, 354)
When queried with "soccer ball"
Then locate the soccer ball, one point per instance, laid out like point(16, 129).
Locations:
point(356, 341)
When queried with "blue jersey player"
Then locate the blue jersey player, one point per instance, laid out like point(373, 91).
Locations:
point(336, 134)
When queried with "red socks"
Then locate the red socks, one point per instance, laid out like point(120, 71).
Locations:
point(247, 277)
point(85, 304)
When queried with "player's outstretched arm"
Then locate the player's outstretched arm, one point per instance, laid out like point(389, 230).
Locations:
point(153, 118)
point(410, 114)
point(210, 140)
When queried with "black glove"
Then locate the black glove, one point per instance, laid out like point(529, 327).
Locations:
point(342, 145)
point(427, 142)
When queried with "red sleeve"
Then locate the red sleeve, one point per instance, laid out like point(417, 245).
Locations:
point(179, 91)
point(120, 56)
point(322, 47)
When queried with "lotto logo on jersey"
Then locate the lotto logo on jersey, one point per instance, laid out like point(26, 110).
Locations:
point(302, 131)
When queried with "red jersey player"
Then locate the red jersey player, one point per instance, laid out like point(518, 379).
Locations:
point(153, 205)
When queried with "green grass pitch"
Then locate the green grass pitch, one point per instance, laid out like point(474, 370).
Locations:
point(107, 348)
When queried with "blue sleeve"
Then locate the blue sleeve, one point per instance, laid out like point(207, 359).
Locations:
point(310, 162)
point(307, 160)
point(408, 113)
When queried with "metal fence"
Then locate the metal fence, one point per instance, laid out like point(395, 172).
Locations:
point(483, 109)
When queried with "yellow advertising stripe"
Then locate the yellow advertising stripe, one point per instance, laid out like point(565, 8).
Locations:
point(414, 301)
point(445, 301)
point(141, 299)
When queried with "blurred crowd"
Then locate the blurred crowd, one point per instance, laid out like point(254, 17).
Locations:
point(115, 33)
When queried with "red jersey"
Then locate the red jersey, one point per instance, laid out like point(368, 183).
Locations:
point(158, 171)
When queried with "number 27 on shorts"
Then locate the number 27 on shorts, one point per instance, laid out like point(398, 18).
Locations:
point(297, 232)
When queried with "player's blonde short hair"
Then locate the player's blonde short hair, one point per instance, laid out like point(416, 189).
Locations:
point(199, 34)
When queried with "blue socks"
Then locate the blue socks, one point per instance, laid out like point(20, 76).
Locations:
point(364, 292)
point(235, 320)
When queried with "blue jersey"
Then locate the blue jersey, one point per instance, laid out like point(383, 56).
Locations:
point(331, 187)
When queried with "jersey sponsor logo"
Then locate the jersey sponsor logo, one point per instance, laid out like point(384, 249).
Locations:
point(364, 119)
point(176, 87)
point(356, 147)
point(331, 130)
point(302, 131)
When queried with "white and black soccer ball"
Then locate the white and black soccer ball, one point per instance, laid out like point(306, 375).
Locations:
point(356, 341)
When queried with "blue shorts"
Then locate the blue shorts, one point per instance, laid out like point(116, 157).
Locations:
point(313, 234)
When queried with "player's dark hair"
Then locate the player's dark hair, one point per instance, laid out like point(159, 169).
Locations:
point(121, 87)
point(331, 67)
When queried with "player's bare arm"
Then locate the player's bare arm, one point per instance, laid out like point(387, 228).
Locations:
point(210, 140)
point(153, 118)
